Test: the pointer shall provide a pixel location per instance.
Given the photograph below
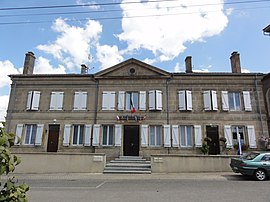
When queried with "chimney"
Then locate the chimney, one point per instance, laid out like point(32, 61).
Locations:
point(29, 63)
point(84, 69)
point(235, 62)
point(188, 64)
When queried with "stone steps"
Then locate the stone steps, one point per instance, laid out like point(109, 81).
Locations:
point(128, 165)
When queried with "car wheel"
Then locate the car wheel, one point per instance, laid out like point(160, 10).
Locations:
point(260, 175)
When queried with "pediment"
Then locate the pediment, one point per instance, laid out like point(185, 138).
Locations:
point(132, 68)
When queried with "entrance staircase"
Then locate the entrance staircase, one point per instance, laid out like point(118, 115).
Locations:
point(128, 165)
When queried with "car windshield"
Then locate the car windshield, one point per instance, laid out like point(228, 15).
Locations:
point(250, 156)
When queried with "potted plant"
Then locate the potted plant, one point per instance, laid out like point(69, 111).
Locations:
point(223, 144)
point(205, 146)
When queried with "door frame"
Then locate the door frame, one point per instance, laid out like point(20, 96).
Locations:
point(214, 144)
point(128, 139)
point(55, 140)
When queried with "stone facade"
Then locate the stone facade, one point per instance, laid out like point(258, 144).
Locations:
point(174, 112)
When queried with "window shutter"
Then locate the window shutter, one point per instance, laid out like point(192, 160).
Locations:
point(105, 100)
point(142, 104)
point(175, 136)
point(35, 101)
point(66, 137)
point(198, 135)
point(96, 131)
point(121, 100)
point(158, 100)
point(247, 101)
point(167, 135)
point(53, 101)
point(144, 135)
point(207, 100)
point(225, 100)
point(38, 139)
point(112, 101)
point(19, 129)
point(29, 100)
point(60, 98)
point(214, 100)
point(118, 135)
point(80, 100)
point(152, 105)
point(251, 137)
point(83, 100)
point(87, 135)
point(76, 105)
point(228, 136)
point(182, 100)
point(189, 99)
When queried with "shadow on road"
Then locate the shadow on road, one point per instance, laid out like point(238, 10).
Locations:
point(239, 177)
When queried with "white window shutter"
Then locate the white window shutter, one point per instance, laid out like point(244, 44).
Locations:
point(60, 98)
point(105, 100)
point(35, 101)
point(225, 100)
point(251, 137)
point(158, 100)
point(198, 135)
point(77, 97)
point(247, 101)
point(182, 100)
point(214, 100)
point(112, 101)
point(228, 136)
point(53, 101)
point(152, 102)
point(207, 100)
point(175, 135)
point(19, 129)
point(87, 135)
point(66, 137)
point(142, 104)
point(118, 135)
point(83, 100)
point(29, 100)
point(189, 99)
point(96, 131)
point(38, 139)
point(167, 135)
point(121, 100)
point(144, 135)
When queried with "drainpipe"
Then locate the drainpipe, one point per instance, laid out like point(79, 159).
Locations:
point(167, 107)
point(96, 101)
point(258, 102)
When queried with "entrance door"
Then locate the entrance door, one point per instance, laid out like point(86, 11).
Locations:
point(53, 137)
point(131, 140)
point(212, 132)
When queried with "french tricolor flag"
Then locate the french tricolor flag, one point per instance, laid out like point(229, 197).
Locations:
point(133, 109)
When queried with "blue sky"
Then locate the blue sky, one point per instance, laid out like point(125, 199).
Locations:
point(103, 33)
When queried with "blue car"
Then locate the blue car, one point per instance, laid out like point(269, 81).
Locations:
point(255, 164)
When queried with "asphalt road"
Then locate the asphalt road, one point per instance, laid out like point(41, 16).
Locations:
point(147, 188)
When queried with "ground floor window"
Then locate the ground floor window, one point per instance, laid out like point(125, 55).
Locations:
point(238, 130)
point(78, 134)
point(155, 136)
point(107, 135)
point(186, 136)
point(30, 134)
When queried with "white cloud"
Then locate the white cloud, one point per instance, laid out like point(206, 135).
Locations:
point(177, 67)
point(244, 70)
point(43, 66)
point(6, 68)
point(72, 46)
point(172, 24)
point(3, 106)
point(108, 55)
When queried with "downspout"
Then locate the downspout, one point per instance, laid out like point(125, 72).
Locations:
point(96, 101)
point(167, 107)
point(258, 102)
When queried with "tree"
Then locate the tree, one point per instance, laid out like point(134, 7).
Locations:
point(9, 191)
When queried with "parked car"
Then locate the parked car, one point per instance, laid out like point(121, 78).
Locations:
point(255, 164)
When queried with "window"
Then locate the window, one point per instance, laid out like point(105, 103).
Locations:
point(234, 101)
point(186, 136)
point(80, 100)
point(78, 135)
point(155, 136)
point(56, 101)
point(127, 100)
point(107, 135)
point(108, 100)
point(155, 100)
point(132, 100)
point(33, 100)
point(238, 131)
point(30, 134)
point(210, 100)
point(185, 100)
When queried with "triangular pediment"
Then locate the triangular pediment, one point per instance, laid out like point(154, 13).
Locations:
point(132, 68)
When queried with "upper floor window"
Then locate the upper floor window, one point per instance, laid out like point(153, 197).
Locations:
point(132, 100)
point(155, 136)
point(231, 101)
point(78, 135)
point(56, 101)
point(108, 100)
point(80, 99)
point(210, 100)
point(185, 100)
point(107, 135)
point(234, 101)
point(155, 100)
point(33, 100)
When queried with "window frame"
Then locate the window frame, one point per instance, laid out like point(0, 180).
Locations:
point(232, 95)
point(80, 134)
point(129, 95)
point(186, 127)
point(155, 135)
point(242, 137)
point(110, 135)
point(32, 134)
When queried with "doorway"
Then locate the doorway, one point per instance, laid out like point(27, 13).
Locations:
point(212, 132)
point(131, 140)
point(53, 137)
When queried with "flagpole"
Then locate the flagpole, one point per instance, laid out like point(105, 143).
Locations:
point(239, 143)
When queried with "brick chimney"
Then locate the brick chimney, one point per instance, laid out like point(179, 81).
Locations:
point(235, 62)
point(29, 63)
point(188, 64)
